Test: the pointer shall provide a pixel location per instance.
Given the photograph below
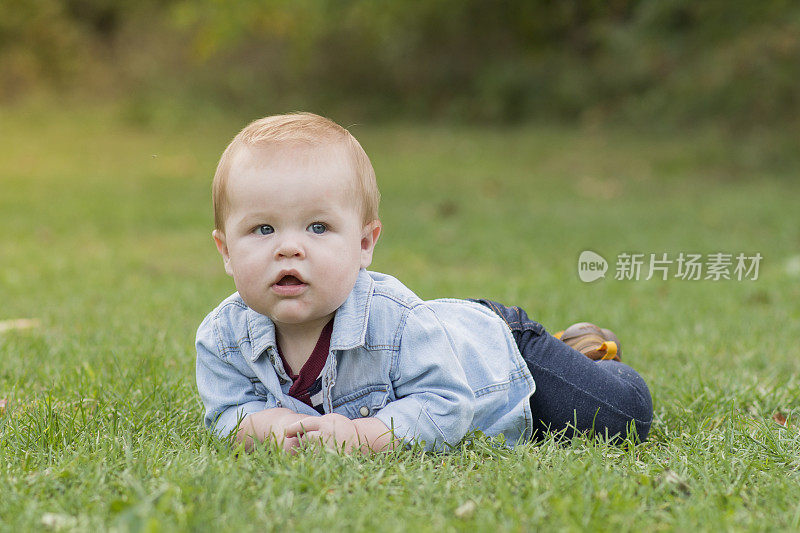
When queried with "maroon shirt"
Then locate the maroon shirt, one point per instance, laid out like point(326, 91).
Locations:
point(307, 385)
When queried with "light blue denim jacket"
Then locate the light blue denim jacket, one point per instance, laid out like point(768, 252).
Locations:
point(430, 370)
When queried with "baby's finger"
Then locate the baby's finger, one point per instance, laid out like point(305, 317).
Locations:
point(291, 444)
point(311, 438)
point(302, 426)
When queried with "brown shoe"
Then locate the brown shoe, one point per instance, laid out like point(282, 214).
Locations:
point(593, 342)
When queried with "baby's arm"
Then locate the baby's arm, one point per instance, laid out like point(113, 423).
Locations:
point(376, 435)
point(269, 424)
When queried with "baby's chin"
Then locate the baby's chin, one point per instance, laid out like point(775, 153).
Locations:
point(298, 316)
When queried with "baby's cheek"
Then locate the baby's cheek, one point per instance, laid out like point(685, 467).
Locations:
point(251, 271)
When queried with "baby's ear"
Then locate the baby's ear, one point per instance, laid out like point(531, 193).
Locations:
point(222, 248)
point(369, 238)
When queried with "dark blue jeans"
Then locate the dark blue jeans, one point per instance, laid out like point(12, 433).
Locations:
point(574, 393)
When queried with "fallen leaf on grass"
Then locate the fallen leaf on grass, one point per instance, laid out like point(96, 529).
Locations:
point(18, 323)
point(779, 418)
point(57, 521)
point(465, 510)
point(673, 480)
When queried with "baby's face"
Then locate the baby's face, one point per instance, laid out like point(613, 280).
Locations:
point(294, 239)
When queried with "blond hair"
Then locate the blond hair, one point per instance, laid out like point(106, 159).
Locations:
point(302, 128)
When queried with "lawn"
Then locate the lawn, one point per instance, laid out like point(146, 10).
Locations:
point(106, 223)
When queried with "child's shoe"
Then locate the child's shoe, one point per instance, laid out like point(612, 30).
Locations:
point(593, 342)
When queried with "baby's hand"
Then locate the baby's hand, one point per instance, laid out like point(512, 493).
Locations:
point(332, 430)
point(269, 425)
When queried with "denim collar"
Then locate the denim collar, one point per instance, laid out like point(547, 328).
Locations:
point(349, 323)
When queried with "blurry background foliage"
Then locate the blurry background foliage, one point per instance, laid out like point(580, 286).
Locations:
point(668, 62)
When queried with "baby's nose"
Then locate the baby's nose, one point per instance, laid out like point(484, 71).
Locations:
point(290, 248)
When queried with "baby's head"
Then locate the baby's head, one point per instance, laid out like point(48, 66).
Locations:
point(299, 130)
point(295, 215)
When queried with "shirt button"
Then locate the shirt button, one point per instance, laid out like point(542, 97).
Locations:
point(364, 410)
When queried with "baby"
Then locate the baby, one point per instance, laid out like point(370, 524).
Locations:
point(315, 348)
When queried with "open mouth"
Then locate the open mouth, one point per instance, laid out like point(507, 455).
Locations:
point(289, 280)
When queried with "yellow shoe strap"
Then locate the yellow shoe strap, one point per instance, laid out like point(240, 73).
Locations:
point(611, 350)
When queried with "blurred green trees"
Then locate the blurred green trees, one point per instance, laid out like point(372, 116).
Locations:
point(675, 61)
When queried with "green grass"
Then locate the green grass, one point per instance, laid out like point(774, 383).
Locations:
point(106, 239)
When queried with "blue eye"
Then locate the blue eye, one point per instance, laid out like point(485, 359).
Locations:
point(264, 229)
point(318, 228)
